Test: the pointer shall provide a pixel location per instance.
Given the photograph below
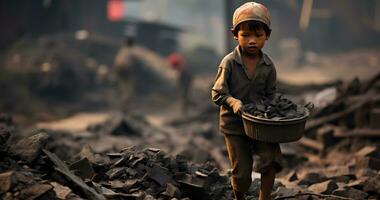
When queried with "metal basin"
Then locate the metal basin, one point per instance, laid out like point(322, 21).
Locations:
point(280, 131)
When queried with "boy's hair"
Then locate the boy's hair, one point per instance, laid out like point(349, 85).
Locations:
point(253, 25)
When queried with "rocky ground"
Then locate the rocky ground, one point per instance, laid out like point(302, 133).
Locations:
point(145, 156)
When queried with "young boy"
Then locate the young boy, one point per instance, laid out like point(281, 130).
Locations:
point(245, 76)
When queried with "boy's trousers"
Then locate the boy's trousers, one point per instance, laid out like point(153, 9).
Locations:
point(246, 154)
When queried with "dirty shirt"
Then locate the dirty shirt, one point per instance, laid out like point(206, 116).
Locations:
point(232, 80)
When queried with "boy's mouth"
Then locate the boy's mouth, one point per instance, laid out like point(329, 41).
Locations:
point(252, 48)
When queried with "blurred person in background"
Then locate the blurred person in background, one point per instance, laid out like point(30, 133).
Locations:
point(184, 79)
point(125, 65)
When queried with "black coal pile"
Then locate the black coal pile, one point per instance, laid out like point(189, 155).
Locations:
point(29, 170)
point(278, 108)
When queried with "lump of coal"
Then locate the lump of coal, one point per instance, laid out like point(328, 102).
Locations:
point(278, 108)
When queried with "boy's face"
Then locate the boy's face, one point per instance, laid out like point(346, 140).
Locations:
point(251, 41)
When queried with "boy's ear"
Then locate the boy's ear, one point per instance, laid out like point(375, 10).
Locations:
point(268, 35)
point(233, 33)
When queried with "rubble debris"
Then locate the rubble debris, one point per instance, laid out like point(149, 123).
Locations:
point(116, 125)
point(347, 168)
point(284, 192)
point(7, 181)
point(312, 178)
point(36, 191)
point(63, 168)
point(94, 158)
point(374, 119)
point(28, 149)
point(83, 169)
point(310, 143)
point(368, 163)
point(4, 135)
point(62, 192)
point(291, 176)
point(161, 175)
point(360, 132)
point(326, 187)
point(350, 193)
point(368, 151)
point(372, 184)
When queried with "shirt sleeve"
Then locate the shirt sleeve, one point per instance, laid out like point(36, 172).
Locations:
point(220, 91)
point(271, 86)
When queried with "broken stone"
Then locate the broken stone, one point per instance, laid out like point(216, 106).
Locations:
point(36, 191)
point(62, 168)
point(285, 192)
point(342, 178)
point(135, 162)
point(374, 118)
point(181, 162)
point(325, 135)
point(350, 193)
point(368, 151)
point(312, 178)
point(6, 119)
point(111, 194)
point(120, 162)
point(128, 184)
point(365, 172)
point(291, 176)
point(149, 197)
point(372, 184)
point(189, 180)
point(374, 197)
point(368, 162)
point(131, 172)
point(83, 168)
point(29, 149)
point(160, 175)
point(4, 134)
point(8, 196)
point(115, 172)
point(94, 158)
point(114, 155)
point(24, 177)
point(61, 191)
point(116, 125)
point(335, 171)
point(357, 184)
point(155, 150)
point(7, 181)
point(201, 174)
point(326, 187)
point(172, 191)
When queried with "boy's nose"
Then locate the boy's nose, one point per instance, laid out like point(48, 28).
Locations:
point(252, 41)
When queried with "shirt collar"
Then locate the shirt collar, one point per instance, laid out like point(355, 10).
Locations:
point(237, 57)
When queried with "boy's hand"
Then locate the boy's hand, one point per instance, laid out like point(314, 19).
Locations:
point(235, 104)
point(238, 107)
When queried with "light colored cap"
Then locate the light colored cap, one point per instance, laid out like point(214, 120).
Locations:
point(251, 11)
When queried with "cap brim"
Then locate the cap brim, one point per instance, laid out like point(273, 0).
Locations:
point(251, 19)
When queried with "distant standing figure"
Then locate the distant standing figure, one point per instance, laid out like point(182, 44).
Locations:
point(184, 79)
point(124, 66)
